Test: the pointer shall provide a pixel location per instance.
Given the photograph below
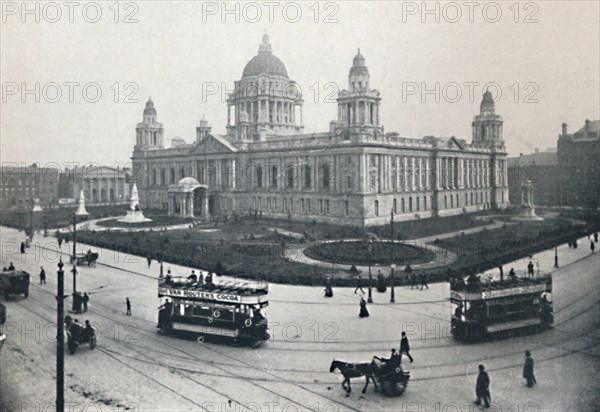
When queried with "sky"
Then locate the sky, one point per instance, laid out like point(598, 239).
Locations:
point(540, 59)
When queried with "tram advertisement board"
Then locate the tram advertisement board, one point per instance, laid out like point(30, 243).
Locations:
point(198, 294)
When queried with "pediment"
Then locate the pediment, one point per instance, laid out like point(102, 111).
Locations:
point(212, 144)
point(454, 143)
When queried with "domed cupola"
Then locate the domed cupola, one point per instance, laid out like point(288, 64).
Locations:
point(487, 105)
point(149, 110)
point(265, 62)
point(359, 66)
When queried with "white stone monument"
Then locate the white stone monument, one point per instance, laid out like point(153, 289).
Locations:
point(134, 214)
point(36, 206)
point(81, 209)
point(527, 212)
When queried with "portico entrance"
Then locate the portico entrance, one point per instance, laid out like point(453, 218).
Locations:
point(188, 198)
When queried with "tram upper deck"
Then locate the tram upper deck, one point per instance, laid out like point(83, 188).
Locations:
point(478, 290)
point(248, 293)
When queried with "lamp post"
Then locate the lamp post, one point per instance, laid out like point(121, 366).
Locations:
point(392, 266)
point(556, 256)
point(370, 297)
point(74, 261)
point(60, 340)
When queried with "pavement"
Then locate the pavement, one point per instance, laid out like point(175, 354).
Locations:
point(134, 367)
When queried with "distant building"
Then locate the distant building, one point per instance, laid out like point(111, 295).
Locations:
point(20, 185)
point(353, 173)
point(568, 175)
point(101, 184)
point(579, 161)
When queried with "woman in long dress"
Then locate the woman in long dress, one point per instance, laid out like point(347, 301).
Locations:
point(363, 308)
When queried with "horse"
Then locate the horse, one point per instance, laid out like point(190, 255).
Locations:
point(353, 370)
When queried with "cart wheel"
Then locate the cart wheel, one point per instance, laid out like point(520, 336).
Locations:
point(393, 389)
point(92, 342)
point(72, 346)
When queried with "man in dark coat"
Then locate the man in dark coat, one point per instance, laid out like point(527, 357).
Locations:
point(530, 271)
point(405, 347)
point(528, 370)
point(359, 285)
point(592, 246)
point(85, 299)
point(482, 387)
point(42, 275)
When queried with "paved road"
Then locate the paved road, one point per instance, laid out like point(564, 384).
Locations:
point(135, 367)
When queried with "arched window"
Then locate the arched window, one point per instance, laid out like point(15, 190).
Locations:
point(274, 171)
point(307, 176)
point(259, 176)
point(325, 173)
point(163, 178)
point(377, 208)
point(172, 176)
point(154, 182)
point(290, 177)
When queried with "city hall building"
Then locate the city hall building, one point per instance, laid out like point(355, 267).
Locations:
point(354, 173)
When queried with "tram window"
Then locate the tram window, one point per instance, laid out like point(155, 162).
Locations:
point(202, 311)
point(188, 310)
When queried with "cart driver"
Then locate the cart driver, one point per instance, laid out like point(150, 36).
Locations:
point(390, 365)
point(11, 267)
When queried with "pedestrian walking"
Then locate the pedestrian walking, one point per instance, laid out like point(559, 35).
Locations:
point(530, 271)
point(482, 387)
point(364, 313)
point(42, 276)
point(359, 285)
point(22, 247)
point(413, 281)
point(424, 281)
point(528, 370)
point(128, 303)
point(592, 246)
point(405, 347)
point(149, 258)
point(86, 299)
point(596, 237)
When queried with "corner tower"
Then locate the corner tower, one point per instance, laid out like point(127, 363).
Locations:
point(149, 133)
point(487, 125)
point(265, 101)
point(358, 106)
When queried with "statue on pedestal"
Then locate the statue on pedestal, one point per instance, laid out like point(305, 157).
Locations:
point(81, 209)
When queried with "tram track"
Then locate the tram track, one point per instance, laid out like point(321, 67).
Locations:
point(562, 347)
point(229, 375)
point(279, 380)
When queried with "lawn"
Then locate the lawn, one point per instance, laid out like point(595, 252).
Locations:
point(157, 221)
point(362, 253)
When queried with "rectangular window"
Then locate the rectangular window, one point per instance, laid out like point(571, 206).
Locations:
point(275, 204)
point(349, 182)
point(285, 205)
point(466, 199)
point(418, 204)
point(308, 208)
point(402, 205)
point(346, 208)
point(291, 205)
point(327, 206)
point(395, 206)
point(302, 205)
point(321, 206)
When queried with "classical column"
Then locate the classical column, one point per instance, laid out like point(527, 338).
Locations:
point(191, 204)
point(205, 207)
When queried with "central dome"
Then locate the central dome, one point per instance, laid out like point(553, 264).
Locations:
point(265, 62)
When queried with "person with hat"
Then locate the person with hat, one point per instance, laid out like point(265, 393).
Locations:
point(528, 370)
point(482, 387)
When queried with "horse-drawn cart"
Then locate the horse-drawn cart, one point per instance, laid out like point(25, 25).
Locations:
point(390, 379)
point(88, 258)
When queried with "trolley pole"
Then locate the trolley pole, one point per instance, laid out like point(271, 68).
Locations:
point(60, 340)
point(392, 294)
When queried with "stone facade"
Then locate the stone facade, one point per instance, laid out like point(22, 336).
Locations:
point(354, 174)
point(100, 184)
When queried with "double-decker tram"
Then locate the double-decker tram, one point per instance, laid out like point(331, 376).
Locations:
point(482, 310)
point(222, 312)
